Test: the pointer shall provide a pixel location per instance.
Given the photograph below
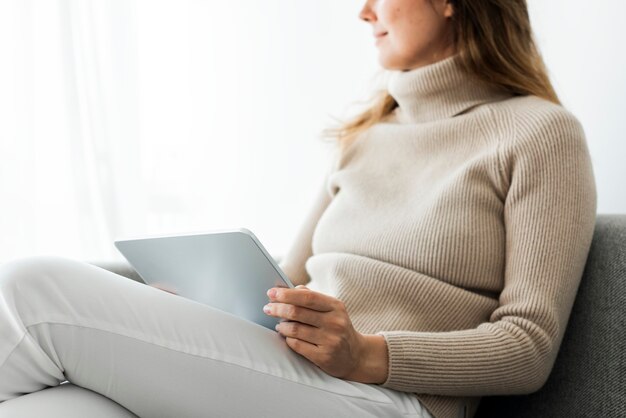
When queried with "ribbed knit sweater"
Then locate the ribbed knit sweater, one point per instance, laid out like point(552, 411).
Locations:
point(458, 228)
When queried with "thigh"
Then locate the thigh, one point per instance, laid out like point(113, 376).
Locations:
point(158, 354)
point(63, 401)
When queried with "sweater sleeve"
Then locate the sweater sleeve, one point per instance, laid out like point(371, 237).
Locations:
point(294, 261)
point(549, 217)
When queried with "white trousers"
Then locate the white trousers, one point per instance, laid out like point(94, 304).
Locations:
point(128, 348)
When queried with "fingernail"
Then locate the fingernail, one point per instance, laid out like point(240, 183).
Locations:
point(271, 293)
point(266, 309)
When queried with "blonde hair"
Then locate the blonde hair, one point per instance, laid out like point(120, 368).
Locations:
point(495, 44)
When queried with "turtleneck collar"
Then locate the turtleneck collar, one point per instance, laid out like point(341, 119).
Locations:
point(438, 91)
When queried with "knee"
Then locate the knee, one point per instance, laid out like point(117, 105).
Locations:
point(29, 272)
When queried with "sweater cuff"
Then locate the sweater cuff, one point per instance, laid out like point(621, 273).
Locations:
point(398, 374)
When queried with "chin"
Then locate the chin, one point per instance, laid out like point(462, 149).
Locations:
point(399, 63)
point(393, 64)
point(391, 61)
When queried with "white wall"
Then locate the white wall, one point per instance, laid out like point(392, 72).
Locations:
point(583, 45)
point(235, 95)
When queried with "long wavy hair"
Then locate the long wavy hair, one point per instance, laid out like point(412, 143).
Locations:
point(495, 44)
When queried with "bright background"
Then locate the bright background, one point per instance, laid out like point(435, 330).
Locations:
point(128, 117)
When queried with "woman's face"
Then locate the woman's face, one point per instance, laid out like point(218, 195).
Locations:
point(410, 33)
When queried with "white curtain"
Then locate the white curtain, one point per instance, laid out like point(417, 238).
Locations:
point(99, 56)
point(68, 140)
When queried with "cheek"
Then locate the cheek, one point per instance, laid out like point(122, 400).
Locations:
point(414, 34)
point(407, 37)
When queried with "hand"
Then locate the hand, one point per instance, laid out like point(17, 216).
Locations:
point(317, 327)
point(163, 287)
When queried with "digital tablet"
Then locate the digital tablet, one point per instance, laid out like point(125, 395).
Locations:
point(227, 269)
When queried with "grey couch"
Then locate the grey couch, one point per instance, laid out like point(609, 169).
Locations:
point(589, 376)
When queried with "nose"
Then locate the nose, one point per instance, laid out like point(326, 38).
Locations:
point(366, 13)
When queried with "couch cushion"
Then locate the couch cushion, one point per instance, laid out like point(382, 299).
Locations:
point(589, 375)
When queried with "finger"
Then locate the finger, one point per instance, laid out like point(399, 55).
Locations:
point(294, 313)
point(300, 331)
point(304, 297)
point(304, 348)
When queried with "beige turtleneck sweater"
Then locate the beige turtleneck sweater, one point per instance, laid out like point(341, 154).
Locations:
point(458, 229)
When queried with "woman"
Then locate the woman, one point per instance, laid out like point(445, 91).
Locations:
point(449, 239)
